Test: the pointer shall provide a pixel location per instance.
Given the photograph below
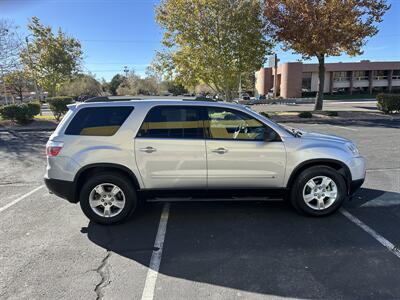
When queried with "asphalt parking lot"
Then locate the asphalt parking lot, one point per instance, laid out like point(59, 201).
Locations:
point(207, 250)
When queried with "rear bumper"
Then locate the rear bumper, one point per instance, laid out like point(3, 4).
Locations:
point(355, 185)
point(61, 188)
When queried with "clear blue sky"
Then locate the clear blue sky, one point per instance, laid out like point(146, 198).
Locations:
point(123, 32)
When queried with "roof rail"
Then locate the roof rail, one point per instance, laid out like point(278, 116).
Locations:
point(109, 99)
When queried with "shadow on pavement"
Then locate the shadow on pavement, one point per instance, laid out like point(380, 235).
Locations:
point(367, 107)
point(263, 248)
point(385, 123)
point(371, 197)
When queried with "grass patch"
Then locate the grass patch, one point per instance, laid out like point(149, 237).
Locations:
point(46, 118)
point(286, 113)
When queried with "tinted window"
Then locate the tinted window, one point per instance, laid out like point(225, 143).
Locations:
point(98, 121)
point(234, 125)
point(174, 122)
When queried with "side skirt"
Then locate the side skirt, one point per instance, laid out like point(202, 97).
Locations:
point(157, 195)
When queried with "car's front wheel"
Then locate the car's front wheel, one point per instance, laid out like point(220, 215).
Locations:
point(318, 191)
point(108, 198)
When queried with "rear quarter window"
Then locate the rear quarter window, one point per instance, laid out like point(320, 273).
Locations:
point(98, 121)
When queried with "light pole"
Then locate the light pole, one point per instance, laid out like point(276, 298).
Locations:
point(33, 72)
point(3, 77)
point(275, 66)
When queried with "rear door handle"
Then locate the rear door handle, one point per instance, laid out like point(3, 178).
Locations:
point(148, 149)
point(220, 150)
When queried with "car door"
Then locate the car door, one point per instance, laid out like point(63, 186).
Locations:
point(170, 148)
point(242, 152)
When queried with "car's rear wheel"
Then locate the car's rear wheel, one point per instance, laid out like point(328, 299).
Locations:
point(108, 198)
point(318, 191)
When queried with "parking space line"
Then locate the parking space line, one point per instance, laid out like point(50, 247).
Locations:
point(382, 170)
point(155, 261)
point(347, 128)
point(20, 198)
point(392, 248)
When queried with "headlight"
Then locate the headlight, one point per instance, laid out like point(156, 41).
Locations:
point(353, 149)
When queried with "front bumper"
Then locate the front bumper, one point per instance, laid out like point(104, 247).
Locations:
point(355, 185)
point(61, 188)
point(357, 168)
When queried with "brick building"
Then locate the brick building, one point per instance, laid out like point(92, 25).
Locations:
point(296, 78)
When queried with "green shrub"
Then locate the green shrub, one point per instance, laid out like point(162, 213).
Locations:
point(305, 114)
point(58, 106)
point(263, 113)
point(332, 113)
point(21, 113)
point(9, 112)
point(388, 103)
point(34, 107)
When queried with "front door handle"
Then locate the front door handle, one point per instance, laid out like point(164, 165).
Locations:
point(220, 150)
point(148, 149)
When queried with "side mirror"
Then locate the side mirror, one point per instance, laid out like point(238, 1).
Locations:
point(270, 135)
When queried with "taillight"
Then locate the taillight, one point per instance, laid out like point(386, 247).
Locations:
point(53, 148)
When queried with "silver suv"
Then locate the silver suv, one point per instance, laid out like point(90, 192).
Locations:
point(111, 156)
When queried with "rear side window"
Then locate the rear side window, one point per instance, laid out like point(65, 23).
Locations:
point(174, 122)
point(98, 121)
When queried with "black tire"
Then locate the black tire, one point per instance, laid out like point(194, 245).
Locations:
point(117, 179)
point(296, 196)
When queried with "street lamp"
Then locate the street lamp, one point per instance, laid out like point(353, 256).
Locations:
point(3, 76)
point(33, 73)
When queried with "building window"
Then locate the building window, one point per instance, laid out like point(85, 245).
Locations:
point(380, 75)
point(396, 74)
point(341, 76)
point(360, 75)
point(306, 82)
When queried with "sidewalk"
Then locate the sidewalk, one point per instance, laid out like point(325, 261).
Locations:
point(35, 125)
point(331, 105)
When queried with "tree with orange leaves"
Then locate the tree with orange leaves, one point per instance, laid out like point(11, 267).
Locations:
point(321, 28)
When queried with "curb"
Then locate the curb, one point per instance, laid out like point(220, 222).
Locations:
point(333, 120)
point(10, 129)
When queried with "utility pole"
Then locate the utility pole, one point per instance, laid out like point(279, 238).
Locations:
point(5, 90)
point(275, 61)
point(33, 73)
point(3, 78)
point(240, 85)
point(126, 70)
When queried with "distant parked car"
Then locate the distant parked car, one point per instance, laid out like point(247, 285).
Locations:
point(261, 97)
point(204, 98)
point(245, 96)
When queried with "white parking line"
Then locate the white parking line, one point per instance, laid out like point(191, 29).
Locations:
point(382, 170)
point(392, 248)
point(155, 261)
point(347, 128)
point(20, 198)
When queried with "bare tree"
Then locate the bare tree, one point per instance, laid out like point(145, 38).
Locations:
point(10, 45)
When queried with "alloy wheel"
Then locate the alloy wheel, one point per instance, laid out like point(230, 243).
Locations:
point(107, 200)
point(320, 192)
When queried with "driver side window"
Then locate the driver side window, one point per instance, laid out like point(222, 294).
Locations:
point(229, 124)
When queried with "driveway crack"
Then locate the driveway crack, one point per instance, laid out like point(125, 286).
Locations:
point(104, 271)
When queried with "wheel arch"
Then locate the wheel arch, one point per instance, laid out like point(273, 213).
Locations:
point(87, 170)
point(338, 165)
